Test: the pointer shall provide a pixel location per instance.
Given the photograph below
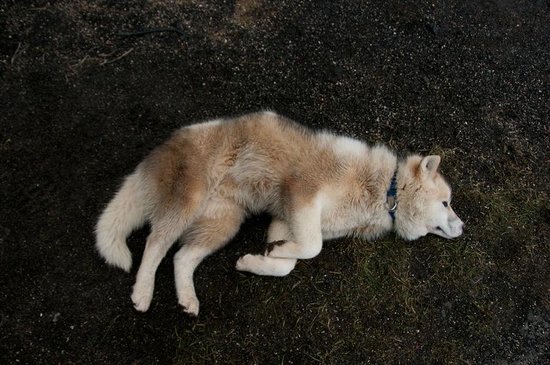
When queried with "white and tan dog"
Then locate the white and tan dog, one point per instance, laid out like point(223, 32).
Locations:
point(201, 184)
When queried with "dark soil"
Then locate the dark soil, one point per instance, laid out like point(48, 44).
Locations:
point(81, 105)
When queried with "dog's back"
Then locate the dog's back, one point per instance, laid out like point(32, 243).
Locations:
point(247, 160)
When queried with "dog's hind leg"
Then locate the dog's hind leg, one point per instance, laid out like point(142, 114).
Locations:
point(178, 187)
point(263, 265)
point(163, 235)
point(207, 234)
point(166, 227)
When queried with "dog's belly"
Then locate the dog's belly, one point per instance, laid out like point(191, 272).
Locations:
point(342, 223)
point(330, 234)
point(336, 224)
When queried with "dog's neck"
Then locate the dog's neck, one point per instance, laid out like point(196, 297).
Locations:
point(391, 196)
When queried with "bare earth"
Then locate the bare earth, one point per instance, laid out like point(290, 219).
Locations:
point(81, 104)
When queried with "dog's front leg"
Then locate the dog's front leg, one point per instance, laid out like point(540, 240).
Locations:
point(263, 265)
point(305, 225)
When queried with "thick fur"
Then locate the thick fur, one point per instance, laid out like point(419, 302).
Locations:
point(201, 184)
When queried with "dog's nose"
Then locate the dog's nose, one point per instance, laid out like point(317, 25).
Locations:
point(461, 227)
point(458, 227)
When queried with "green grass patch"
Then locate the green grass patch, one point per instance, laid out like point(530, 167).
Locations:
point(429, 301)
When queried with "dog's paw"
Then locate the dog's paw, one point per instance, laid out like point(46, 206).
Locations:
point(141, 297)
point(262, 265)
point(246, 263)
point(190, 306)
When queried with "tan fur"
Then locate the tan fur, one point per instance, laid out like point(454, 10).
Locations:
point(201, 184)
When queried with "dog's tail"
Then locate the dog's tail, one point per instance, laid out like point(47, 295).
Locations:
point(126, 212)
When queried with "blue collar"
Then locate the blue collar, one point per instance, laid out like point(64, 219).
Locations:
point(391, 196)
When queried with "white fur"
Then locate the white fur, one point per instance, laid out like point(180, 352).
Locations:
point(208, 124)
point(269, 113)
point(305, 227)
point(186, 261)
point(124, 213)
point(156, 247)
point(263, 265)
point(348, 147)
point(443, 221)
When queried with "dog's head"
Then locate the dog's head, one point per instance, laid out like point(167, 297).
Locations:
point(424, 201)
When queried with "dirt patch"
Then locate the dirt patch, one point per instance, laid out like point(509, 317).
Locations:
point(81, 104)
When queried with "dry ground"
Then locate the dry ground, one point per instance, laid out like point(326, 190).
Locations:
point(81, 104)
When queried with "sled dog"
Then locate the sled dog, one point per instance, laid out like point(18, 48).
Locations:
point(201, 184)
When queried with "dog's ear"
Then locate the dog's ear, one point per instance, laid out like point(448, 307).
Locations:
point(429, 164)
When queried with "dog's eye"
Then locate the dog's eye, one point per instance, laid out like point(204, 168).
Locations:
point(445, 204)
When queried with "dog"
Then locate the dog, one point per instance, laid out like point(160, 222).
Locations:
point(202, 183)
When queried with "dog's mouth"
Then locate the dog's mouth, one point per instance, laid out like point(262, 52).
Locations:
point(441, 232)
